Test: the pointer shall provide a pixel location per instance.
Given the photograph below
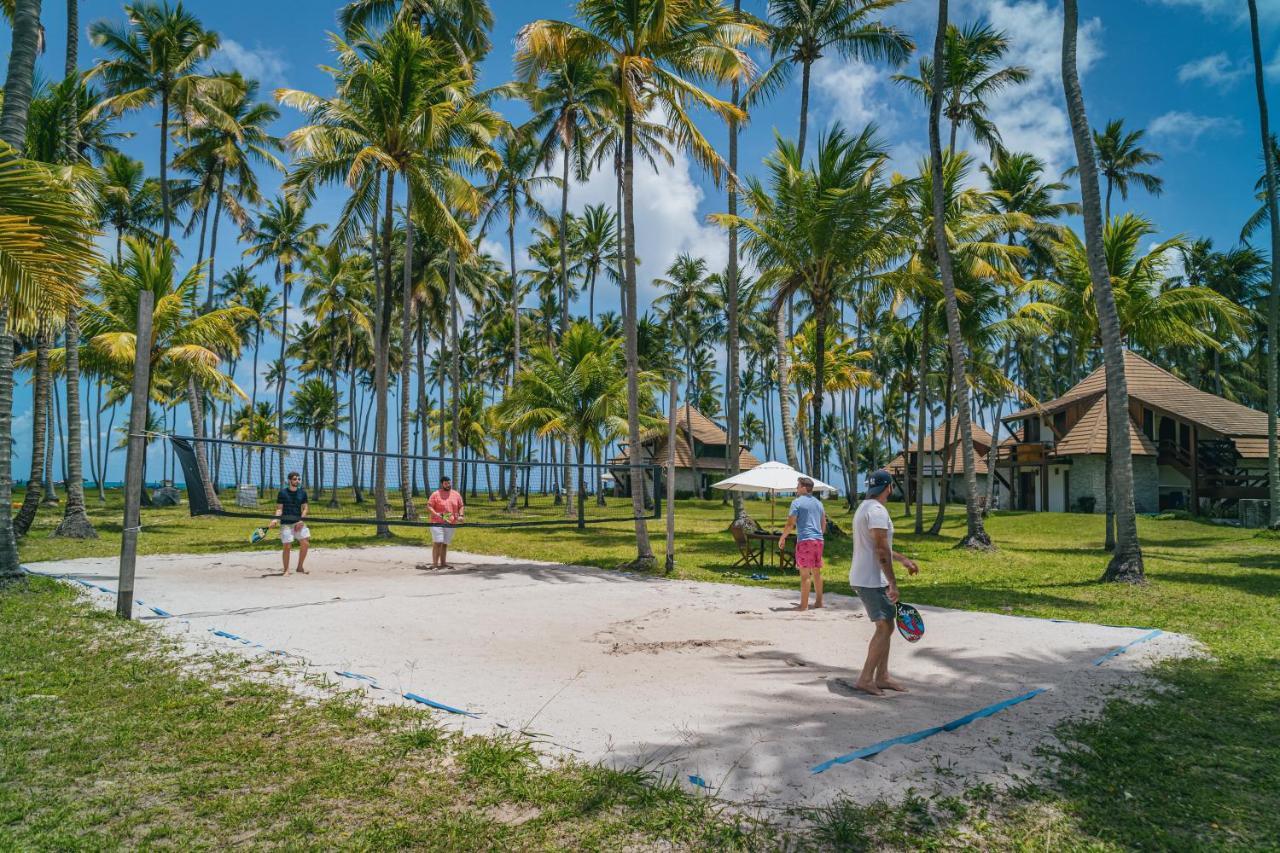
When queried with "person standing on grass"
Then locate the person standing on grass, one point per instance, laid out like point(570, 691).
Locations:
point(291, 513)
point(871, 575)
point(809, 520)
point(446, 509)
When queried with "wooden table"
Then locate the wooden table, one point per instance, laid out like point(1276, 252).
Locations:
point(763, 536)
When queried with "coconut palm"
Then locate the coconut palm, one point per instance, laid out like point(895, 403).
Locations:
point(464, 24)
point(63, 128)
point(813, 229)
point(283, 236)
point(657, 52)
point(802, 30)
point(1121, 159)
point(577, 393)
point(128, 201)
point(1126, 561)
point(971, 74)
point(1273, 301)
point(596, 244)
point(230, 142)
point(185, 346)
point(406, 108)
point(153, 56)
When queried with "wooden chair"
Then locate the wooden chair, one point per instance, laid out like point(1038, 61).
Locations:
point(748, 551)
point(787, 556)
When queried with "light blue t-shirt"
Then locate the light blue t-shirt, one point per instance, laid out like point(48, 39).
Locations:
point(808, 512)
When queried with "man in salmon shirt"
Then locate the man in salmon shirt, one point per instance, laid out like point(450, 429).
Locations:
point(446, 508)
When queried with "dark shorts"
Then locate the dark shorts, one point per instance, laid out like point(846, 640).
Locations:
point(876, 600)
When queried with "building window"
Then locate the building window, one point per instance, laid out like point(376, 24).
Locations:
point(1149, 423)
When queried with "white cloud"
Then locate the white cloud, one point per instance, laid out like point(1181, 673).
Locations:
point(856, 91)
point(1184, 129)
point(1216, 70)
point(1268, 10)
point(263, 64)
point(667, 222)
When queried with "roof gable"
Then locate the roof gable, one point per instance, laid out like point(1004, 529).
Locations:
point(936, 440)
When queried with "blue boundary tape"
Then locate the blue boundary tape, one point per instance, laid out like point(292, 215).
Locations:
point(876, 748)
point(1151, 635)
point(412, 697)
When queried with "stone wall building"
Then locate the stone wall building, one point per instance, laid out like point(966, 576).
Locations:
point(701, 453)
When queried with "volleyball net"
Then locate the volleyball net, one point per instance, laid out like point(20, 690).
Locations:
point(243, 479)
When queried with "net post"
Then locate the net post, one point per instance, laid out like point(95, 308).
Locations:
point(136, 456)
point(671, 479)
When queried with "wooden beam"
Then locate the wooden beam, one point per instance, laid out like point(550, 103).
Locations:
point(1195, 470)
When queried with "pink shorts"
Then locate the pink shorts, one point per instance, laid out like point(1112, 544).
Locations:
point(809, 554)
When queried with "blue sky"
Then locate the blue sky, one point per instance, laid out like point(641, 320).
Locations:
point(1180, 68)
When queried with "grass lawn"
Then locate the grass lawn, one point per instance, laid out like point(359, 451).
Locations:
point(102, 737)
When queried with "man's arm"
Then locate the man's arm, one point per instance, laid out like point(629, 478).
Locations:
point(279, 510)
point(786, 530)
point(306, 508)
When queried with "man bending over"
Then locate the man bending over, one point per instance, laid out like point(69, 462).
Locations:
point(871, 575)
point(291, 512)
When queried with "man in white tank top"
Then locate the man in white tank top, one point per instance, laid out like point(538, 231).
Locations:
point(871, 576)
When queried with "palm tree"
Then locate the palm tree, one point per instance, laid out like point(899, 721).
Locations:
point(1120, 160)
point(1273, 301)
point(28, 40)
point(803, 29)
point(578, 393)
point(404, 107)
point(230, 142)
point(971, 74)
point(283, 236)
point(154, 55)
point(686, 308)
point(814, 229)
point(976, 535)
point(464, 24)
point(185, 345)
point(597, 246)
point(1126, 560)
point(657, 53)
point(128, 200)
point(46, 251)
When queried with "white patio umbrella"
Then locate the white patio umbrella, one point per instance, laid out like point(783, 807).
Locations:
point(772, 477)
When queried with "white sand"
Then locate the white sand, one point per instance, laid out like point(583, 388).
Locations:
point(723, 682)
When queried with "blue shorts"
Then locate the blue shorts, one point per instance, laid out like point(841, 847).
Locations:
point(876, 600)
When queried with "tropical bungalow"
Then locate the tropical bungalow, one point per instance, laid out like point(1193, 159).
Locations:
point(942, 456)
point(701, 452)
point(1191, 449)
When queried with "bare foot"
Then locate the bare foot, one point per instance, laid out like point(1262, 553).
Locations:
point(890, 684)
point(802, 608)
point(818, 604)
point(301, 570)
point(868, 688)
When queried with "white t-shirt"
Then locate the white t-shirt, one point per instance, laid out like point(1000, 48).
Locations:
point(865, 570)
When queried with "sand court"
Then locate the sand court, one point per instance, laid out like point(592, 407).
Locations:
point(724, 684)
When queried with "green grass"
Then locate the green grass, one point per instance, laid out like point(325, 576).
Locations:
point(1194, 765)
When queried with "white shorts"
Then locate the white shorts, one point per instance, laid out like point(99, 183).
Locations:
point(287, 535)
point(442, 535)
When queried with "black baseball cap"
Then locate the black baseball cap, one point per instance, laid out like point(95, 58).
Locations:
point(878, 481)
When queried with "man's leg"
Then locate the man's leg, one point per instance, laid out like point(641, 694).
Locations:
point(302, 554)
point(804, 588)
point(444, 554)
point(877, 650)
point(284, 554)
point(817, 587)
point(883, 680)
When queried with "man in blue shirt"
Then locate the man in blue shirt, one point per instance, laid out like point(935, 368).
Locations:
point(809, 519)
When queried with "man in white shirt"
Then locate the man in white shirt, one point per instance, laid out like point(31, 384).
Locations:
point(871, 576)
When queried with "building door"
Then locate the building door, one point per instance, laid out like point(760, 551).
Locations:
point(1027, 490)
point(1066, 491)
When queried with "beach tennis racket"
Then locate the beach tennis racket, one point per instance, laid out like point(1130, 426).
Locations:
point(257, 536)
point(909, 622)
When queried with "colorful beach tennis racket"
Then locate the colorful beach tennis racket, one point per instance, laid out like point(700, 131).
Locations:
point(257, 536)
point(909, 622)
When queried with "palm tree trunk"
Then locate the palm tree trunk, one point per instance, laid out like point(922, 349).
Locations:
point(455, 361)
point(564, 311)
point(819, 380)
point(906, 442)
point(165, 210)
point(976, 535)
point(644, 551)
point(688, 429)
point(213, 237)
point(382, 332)
point(1273, 299)
point(424, 405)
point(283, 380)
point(515, 339)
point(804, 113)
point(39, 436)
point(732, 388)
point(784, 389)
point(925, 320)
point(51, 419)
point(196, 402)
point(1126, 563)
point(21, 74)
point(406, 364)
point(582, 486)
point(945, 457)
point(75, 523)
